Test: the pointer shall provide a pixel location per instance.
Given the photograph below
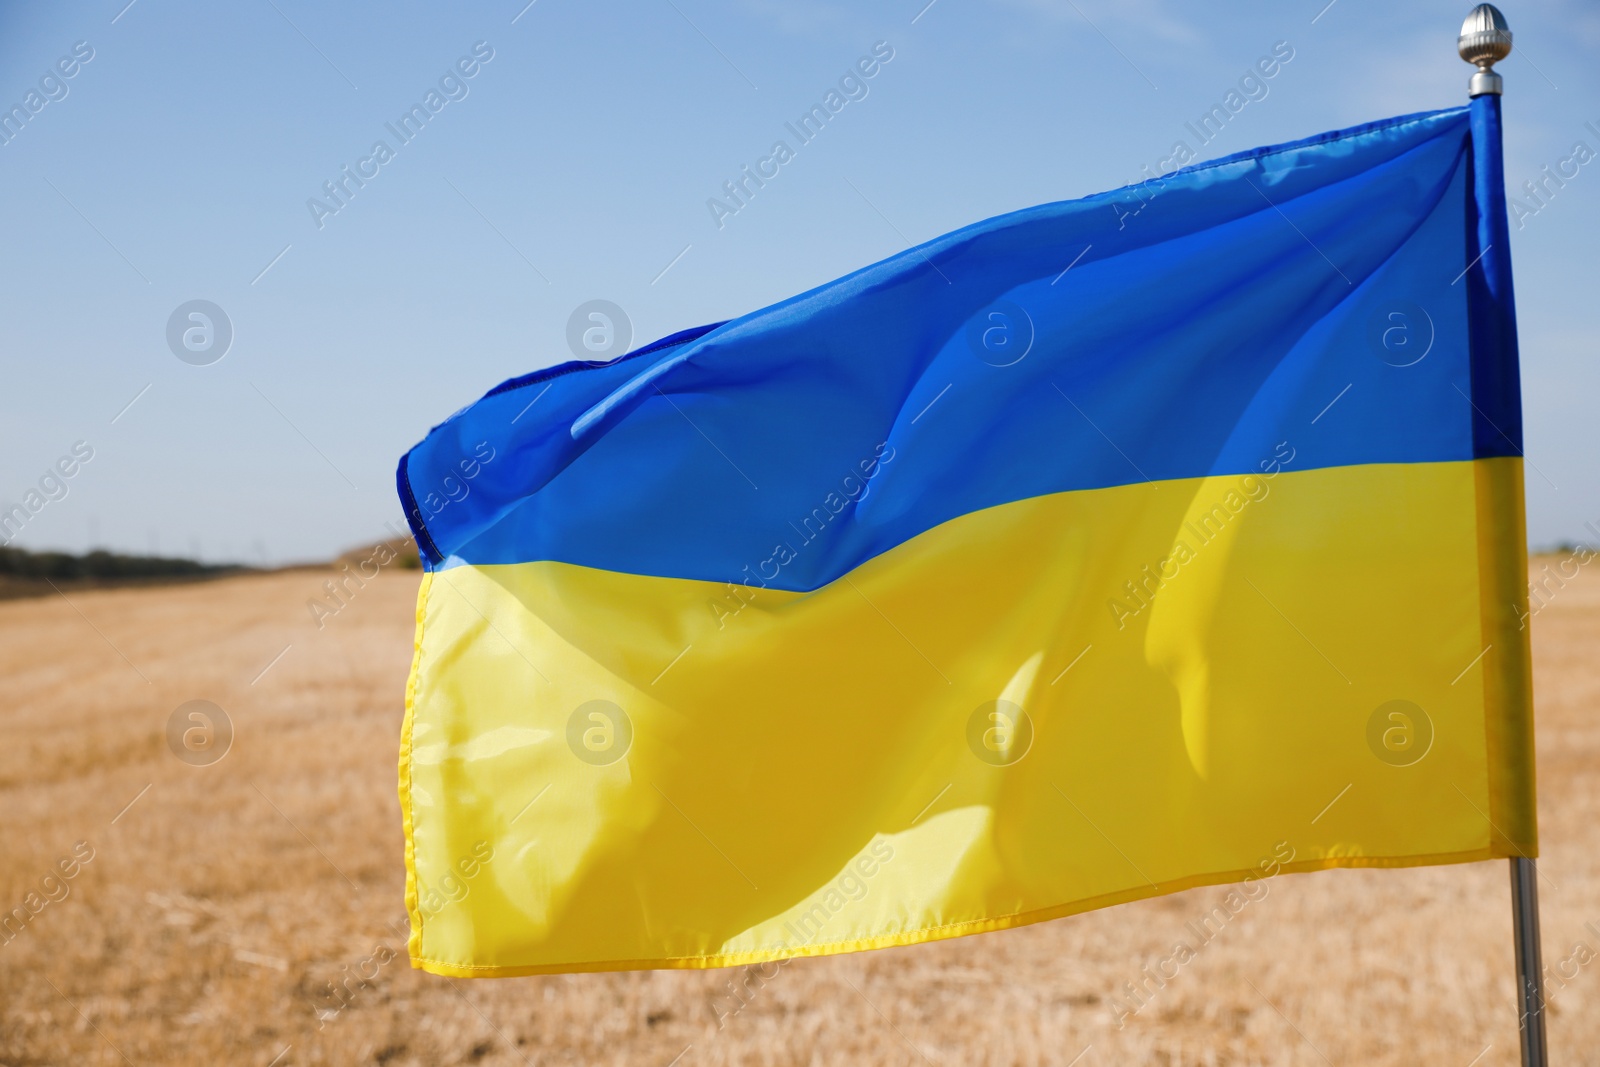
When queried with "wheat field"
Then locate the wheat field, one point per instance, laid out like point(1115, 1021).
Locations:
point(249, 910)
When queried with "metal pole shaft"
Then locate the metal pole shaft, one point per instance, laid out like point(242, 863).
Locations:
point(1485, 40)
point(1530, 970)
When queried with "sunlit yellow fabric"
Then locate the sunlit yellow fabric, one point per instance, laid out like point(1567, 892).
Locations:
point(804, 774)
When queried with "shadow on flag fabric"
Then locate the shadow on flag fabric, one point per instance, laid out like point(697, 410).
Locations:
point(1164, 538)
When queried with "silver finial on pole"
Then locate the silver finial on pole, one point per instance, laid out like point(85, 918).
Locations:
point(1485, 40)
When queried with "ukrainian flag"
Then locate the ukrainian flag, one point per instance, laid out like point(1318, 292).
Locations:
point(1163, 538)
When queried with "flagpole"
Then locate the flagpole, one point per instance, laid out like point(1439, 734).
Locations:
point(1530, 972)
point(1485, 40)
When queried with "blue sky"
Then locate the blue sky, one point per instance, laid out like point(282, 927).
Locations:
point(576, 163)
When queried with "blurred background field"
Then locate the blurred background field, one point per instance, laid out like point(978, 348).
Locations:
point(222, 902)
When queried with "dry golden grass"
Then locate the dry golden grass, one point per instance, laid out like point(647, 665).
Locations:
point(218, 907)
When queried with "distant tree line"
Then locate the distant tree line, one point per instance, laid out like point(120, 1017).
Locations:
point(100, 566)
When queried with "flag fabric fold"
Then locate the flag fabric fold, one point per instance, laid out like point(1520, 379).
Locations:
point(1110, 547)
